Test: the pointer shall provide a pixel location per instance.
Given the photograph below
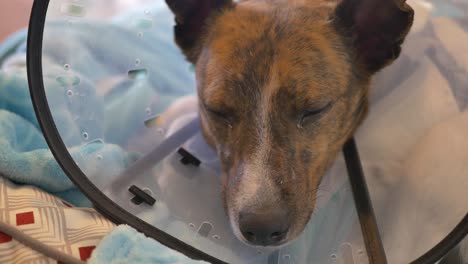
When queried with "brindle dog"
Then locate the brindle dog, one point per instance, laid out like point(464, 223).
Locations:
point(282, 85)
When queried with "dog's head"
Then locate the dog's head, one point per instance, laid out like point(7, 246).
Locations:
point(282, 85)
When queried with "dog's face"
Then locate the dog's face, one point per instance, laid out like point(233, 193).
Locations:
point(282, 85)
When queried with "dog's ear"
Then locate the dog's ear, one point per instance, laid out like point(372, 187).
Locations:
point(191, 21)
point(377, 28)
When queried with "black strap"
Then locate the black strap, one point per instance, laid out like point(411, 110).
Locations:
point(447, 244)
point(369, 228)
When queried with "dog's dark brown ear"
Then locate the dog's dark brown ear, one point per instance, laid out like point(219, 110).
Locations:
point(377, 27)
point(191, 20)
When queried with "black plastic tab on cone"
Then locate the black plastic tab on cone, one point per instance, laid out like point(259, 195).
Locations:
point(141, 196)
point(188, 158)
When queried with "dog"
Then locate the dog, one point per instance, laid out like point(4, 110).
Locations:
point(282, 85)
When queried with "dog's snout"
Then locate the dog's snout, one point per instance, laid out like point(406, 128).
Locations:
point(264, 229)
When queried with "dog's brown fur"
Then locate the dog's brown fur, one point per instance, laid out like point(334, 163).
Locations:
point(282, 85)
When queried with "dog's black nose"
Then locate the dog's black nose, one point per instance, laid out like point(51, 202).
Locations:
point(266, 229)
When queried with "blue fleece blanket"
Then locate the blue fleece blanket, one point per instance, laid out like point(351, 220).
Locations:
point(24, 155)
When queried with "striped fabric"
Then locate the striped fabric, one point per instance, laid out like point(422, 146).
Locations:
point(49, 220)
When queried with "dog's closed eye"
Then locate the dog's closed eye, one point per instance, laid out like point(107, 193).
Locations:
point(313, 113)
point(225, 115)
